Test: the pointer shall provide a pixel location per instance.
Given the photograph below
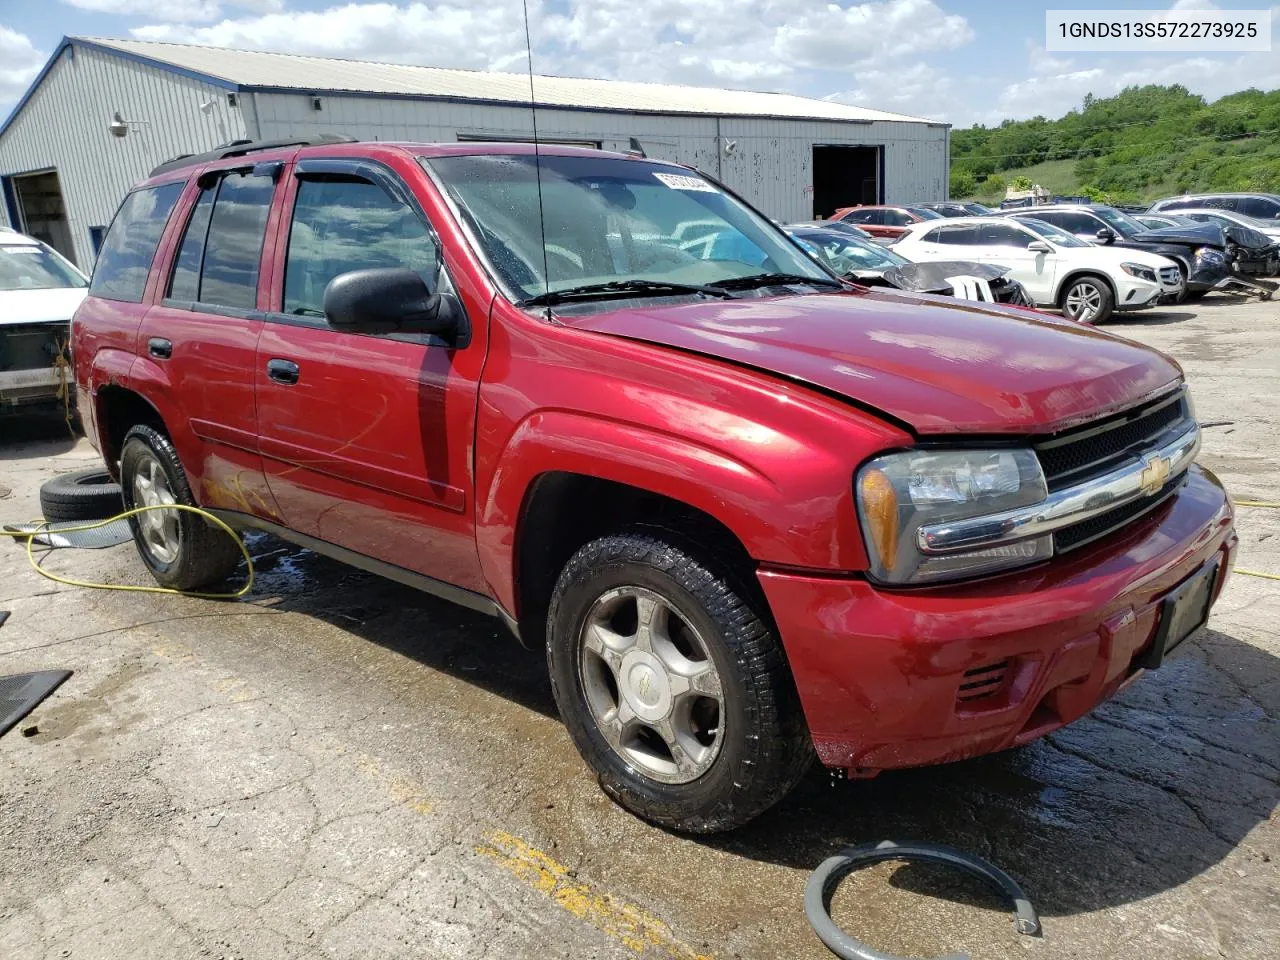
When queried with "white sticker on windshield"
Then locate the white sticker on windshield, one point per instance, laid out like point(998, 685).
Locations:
point(677, 182)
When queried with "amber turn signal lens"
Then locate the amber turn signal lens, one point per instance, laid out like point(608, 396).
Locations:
point(880, 509)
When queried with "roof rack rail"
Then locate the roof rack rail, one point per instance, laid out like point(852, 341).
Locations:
point(238, 148)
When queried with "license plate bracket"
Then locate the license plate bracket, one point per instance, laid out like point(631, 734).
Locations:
point(1182, 613)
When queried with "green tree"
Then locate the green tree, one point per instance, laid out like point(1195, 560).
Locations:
point(1021, 182)
point(963, 183)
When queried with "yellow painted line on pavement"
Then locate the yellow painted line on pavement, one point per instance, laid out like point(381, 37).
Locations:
point(644, 934)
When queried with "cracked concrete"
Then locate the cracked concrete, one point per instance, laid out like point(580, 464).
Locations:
point(343, 768)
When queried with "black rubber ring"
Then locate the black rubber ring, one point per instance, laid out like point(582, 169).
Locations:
point(823, 882)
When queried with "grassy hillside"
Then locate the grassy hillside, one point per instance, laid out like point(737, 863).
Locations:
point(1143, 143)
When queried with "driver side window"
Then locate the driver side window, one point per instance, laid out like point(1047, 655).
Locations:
point(342, 224)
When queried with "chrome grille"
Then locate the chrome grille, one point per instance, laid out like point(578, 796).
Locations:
point(1077, 455)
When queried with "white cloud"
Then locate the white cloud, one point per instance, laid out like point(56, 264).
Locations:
point(770, 44)
point(19, 64)
point(917, 89)
point(175, 11)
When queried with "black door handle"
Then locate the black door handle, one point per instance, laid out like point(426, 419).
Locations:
point(282, 371)
point(160, 348)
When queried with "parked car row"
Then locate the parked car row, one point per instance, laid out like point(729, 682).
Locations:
point(1210, 246)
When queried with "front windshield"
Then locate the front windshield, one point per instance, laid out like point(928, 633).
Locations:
point(29, 266)
point(925, 213)
point(609, 220)
point(845, 254)
point(1048, 231)
point(1121, 223)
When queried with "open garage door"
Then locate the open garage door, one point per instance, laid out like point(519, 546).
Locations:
point(845, 176)
point(41, 211)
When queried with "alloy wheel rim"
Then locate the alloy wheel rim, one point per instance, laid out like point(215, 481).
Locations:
point(1084, 301)
point(651, 685)
point(158, 528)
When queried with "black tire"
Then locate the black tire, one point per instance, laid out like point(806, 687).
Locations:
point(1106, 298)
point(766, 747)
point(83, 495)
point(205, 554)
point(1194, 296)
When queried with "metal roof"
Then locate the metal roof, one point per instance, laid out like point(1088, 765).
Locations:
point(254, 70)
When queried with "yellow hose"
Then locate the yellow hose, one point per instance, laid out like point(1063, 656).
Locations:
point(43, 527)
point(1257, 503)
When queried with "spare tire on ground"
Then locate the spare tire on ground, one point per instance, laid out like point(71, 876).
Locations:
point(83, 495)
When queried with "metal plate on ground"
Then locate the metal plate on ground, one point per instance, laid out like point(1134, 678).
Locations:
point(20, 693)
point(51, 535)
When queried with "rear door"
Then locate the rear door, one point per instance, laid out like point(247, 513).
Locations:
point(367, 439)
point(202, 334)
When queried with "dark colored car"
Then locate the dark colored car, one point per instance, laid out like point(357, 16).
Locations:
point(839, 226)
point(1200, 252)
point(752, 514)
point(1264, 206)
point(871, 264)
point(956, 208)
point(884, 221)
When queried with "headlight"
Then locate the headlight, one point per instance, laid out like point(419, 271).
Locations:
point(1210, 255)
point(1139, 271)
point(900, 492)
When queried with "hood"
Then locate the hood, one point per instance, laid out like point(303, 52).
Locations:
point(941, 368)
point(933, 276)
point(1206, 235)
point(39, 306)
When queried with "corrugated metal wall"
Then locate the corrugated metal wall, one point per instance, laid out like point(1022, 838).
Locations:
point(771, 165)
point(65, 126)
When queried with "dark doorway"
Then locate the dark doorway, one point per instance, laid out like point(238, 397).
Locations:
point(42, 213)
point(844, 177)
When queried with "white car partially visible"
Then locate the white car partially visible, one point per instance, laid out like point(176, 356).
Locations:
point(39, 291)
point(1087, 282)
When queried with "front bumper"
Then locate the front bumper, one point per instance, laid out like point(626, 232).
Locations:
point(887, 678)
point(1135, 294)
point(26, 387)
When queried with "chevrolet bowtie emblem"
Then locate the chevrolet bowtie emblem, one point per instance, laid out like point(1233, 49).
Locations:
point(1154, 474)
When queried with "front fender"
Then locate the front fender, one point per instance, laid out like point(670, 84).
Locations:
point(794, 507)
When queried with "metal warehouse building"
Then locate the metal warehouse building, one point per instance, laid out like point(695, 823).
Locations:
point(65, 165)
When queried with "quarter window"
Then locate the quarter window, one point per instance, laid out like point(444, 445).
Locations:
point(349, 224)
point(130, 245)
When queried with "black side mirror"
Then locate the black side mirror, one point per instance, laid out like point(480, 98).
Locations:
point(1106, 235)
point(391, 300)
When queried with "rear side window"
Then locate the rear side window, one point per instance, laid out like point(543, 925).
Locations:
point(218, 259)
point(130, 245)
point(865, 216)
point(349, 224)
point(896, 218)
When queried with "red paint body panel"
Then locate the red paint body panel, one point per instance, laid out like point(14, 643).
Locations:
point(959, 368)
point(756, 411)
point(880, 671)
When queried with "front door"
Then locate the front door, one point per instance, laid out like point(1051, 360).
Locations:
point(1005, 245)
point(203, 334)
point(367, 439)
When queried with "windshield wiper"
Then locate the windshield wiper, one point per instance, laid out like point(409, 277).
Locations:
point(600, 291)
point(773, 279)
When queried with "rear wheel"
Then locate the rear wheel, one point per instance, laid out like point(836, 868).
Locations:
point(182, 550)
point(673, 688)
point(1088, 300)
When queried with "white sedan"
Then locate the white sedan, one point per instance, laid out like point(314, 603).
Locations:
point(39, 291)
point(1087, 282)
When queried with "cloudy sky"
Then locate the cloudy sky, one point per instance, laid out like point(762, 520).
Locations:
point(962, 61)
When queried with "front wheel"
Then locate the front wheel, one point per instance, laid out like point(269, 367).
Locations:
point(1088, 300)
point(674, 689)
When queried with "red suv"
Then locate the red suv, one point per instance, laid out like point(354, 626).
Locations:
point(885, 221)
point(750, 511)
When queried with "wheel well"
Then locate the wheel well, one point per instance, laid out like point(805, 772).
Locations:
point(1071, 277)
point(564, 511)
point(119, 409)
